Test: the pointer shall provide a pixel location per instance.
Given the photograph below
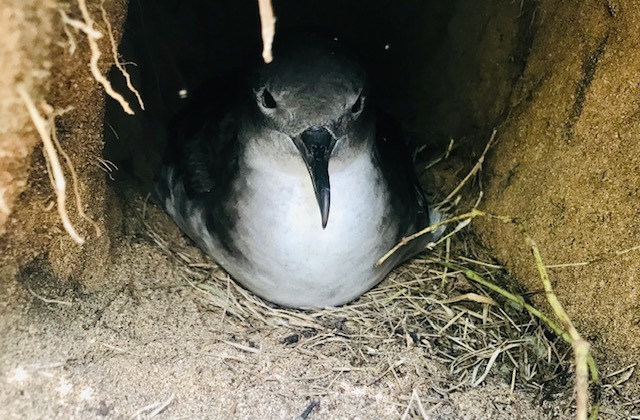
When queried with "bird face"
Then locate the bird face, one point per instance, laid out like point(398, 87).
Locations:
point(310, 103)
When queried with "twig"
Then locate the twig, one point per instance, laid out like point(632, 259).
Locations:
point(47, 300)
point(157, 408)
point(307, 411)
point(477, 167)
point(580, 345)
point(268, 25)
point(404, 241)
point(57, 175)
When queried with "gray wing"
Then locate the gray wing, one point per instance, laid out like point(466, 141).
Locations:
point(409, 203)
point(195, 181)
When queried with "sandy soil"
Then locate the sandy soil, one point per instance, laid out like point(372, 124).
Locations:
point(150, 338)
point(566, 164)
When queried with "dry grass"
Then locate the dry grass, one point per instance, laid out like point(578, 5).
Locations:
point(479, 334)
point(424, 304)
point(483, 331)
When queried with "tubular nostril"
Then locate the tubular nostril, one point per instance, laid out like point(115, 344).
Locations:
point(318, 142)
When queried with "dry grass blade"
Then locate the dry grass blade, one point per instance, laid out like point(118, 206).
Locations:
point(153, 410)
point(404, 241)
point(415, 398)
point(473, 172)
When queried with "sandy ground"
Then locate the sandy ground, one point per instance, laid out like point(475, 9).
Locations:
point(151, 343)
point(170, 336)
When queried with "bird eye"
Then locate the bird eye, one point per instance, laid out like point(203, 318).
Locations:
point(267, 100)
point(357, 106)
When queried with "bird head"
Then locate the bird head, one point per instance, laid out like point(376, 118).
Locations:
point(311, 104)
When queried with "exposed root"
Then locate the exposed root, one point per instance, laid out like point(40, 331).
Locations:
point(268, 24)
point(108, 167)
point(56, 173)
point(4, 207)
point(74, 176)
point(116, 57)
point(93, 36)
point(71, 40)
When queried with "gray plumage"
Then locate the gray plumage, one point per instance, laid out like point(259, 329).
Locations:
point(297, 188)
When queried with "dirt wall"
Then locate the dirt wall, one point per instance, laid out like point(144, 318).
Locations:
point(22, 25)
point(567, 163)
point(50, 60)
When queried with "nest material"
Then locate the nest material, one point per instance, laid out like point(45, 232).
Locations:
point(422, 304)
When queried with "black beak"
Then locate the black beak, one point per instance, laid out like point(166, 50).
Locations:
point(315, 145)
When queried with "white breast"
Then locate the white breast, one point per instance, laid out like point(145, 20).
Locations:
point(292, 260)
point(284, 254)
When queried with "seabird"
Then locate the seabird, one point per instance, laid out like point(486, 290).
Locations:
point(295, 185)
